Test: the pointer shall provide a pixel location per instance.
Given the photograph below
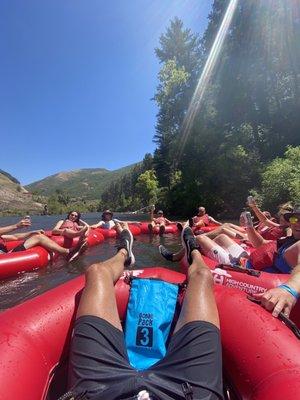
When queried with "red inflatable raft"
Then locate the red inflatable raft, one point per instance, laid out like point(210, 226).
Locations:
point(171, 228)
point(249, 281)
point(261, 355)
point(112, 233)
point(204, 229)
point(37, 257)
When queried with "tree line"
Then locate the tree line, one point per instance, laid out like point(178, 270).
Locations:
point(245, 135)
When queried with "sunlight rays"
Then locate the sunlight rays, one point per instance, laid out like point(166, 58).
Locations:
point(205, 77)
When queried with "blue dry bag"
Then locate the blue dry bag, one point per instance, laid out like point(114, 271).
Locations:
point(150, 313)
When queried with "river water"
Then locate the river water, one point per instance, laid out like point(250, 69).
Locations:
point(27, 285)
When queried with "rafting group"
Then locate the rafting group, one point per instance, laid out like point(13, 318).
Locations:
point(154, 334)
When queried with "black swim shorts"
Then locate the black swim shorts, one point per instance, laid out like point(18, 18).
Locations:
point(99, 364)
point(3, 249)
point(18, 248)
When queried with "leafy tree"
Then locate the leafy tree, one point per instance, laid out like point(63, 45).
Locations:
point(179, 55)
point(280, 180)
point(147, 187)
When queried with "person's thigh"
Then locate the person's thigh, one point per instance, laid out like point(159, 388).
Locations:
point(98, 358)
point(193, 359)
point(213, 250)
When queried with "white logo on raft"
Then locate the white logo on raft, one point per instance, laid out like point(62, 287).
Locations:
point(137, 272)
point(222, 277)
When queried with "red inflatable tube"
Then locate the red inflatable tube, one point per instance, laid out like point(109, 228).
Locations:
point(13, 263)
point(261, 355)
point(37, 257)
point(248, 281)
point(107, 233)
point(134, 229)
point(204, 229)
point(94, 237)
point(171, 228)
point(240, 279)
point(112, 233)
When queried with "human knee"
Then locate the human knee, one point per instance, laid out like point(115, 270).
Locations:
point(202, 274)
point(97, 271)
point(223, 240)
point(40, 237)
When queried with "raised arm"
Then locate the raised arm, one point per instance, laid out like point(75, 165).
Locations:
point(10, 228)
point(152, 208)
point(83, 223)
point(261, 216)
point(57, 229)
point(214, 221)
point(98, 225)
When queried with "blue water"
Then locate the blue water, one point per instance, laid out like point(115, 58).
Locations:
point(27, 285)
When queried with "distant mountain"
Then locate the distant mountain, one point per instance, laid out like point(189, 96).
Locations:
point(88, 182)
point(14, 198)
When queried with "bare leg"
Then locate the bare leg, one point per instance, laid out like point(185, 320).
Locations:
point(227, 231)
point(69, 233)
point(199, 302)
point(230, 246)
point(255, 238)
point(236, 228)
point(47, 243)
point(162, 228)
point(120, 226)
point(213, 250)
point(98, 296)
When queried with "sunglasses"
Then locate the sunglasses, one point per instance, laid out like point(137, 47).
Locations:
point(293, 219)
point(74, 215)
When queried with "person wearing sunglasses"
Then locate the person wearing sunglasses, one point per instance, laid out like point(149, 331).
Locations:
point(107, 221)
point(35, 238)
point(268, 227)
point(72, 226)
point(286, 259)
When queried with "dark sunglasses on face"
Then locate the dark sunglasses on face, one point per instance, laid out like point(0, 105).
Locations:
point(293, 219)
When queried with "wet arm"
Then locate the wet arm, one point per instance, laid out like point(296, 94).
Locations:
point(262, 218)
point(56, 230)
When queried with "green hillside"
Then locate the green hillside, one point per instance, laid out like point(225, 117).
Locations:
point(88, 183)
point(14, 199)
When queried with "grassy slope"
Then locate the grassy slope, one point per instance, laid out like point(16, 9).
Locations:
point(13, 198)
point(88, 182)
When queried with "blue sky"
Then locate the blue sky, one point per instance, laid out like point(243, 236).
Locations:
point(77, 78)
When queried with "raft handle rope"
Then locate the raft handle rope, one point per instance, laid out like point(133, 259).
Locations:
point(237, 268)
point(288, 322)
point(142, 209)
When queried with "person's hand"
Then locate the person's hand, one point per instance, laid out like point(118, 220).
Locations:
point(252, 203)
point(84, 229)
point(277, 300)
point(24, 223)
